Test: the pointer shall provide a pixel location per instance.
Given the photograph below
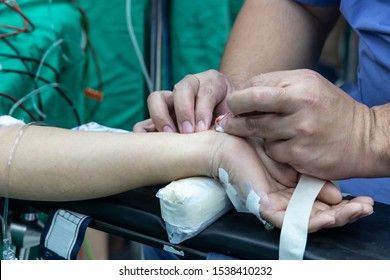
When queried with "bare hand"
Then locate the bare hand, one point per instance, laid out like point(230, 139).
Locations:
point(323, 215)
point(191, 107)
point(305, 121)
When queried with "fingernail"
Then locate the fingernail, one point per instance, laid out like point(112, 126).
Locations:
point(167, 128)
point(200, 126)
point(187, 127)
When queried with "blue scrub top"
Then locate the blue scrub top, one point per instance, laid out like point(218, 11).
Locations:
point(370, 19)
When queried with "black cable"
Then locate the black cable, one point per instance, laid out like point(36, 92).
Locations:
point(85, 23)
point(17, 52)
point(25, 58)
point(40, 106)
point(66, 98)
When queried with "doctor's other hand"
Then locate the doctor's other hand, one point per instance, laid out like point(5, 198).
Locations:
point(192, 105)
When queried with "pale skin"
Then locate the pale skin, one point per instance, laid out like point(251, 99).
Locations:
point(304, 121)
point(86, 165)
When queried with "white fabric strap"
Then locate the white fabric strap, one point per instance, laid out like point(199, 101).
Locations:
point(294, 231)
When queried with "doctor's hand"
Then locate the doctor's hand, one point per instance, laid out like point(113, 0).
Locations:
point(306, 122)
point(192, 105)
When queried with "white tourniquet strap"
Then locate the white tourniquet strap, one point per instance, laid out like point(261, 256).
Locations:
point(63, 235)
point(294, 231)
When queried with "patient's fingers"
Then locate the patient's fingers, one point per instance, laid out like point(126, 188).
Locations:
point(330, 194)
point(351, 211)
point(323, 215)
point(275, 207)
point(347, 211)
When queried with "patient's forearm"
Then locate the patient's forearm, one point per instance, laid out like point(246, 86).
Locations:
point(58, 164)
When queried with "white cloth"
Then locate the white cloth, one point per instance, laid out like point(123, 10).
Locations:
point(8, 120)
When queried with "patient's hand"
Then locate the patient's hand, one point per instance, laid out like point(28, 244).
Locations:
point(245, 166)
point(323, 215)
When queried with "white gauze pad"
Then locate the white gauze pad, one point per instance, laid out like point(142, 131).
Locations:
point(190, 205)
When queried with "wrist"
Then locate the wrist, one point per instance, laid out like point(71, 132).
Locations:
point(210, 151)
point(193, 154)
point(379, 145)
point(214, 150)
point(371, 157)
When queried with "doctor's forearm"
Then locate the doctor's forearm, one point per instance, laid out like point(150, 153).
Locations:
point(274, 35)
point(377, 157)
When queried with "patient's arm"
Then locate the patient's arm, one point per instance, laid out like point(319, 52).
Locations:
point(58, 164)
